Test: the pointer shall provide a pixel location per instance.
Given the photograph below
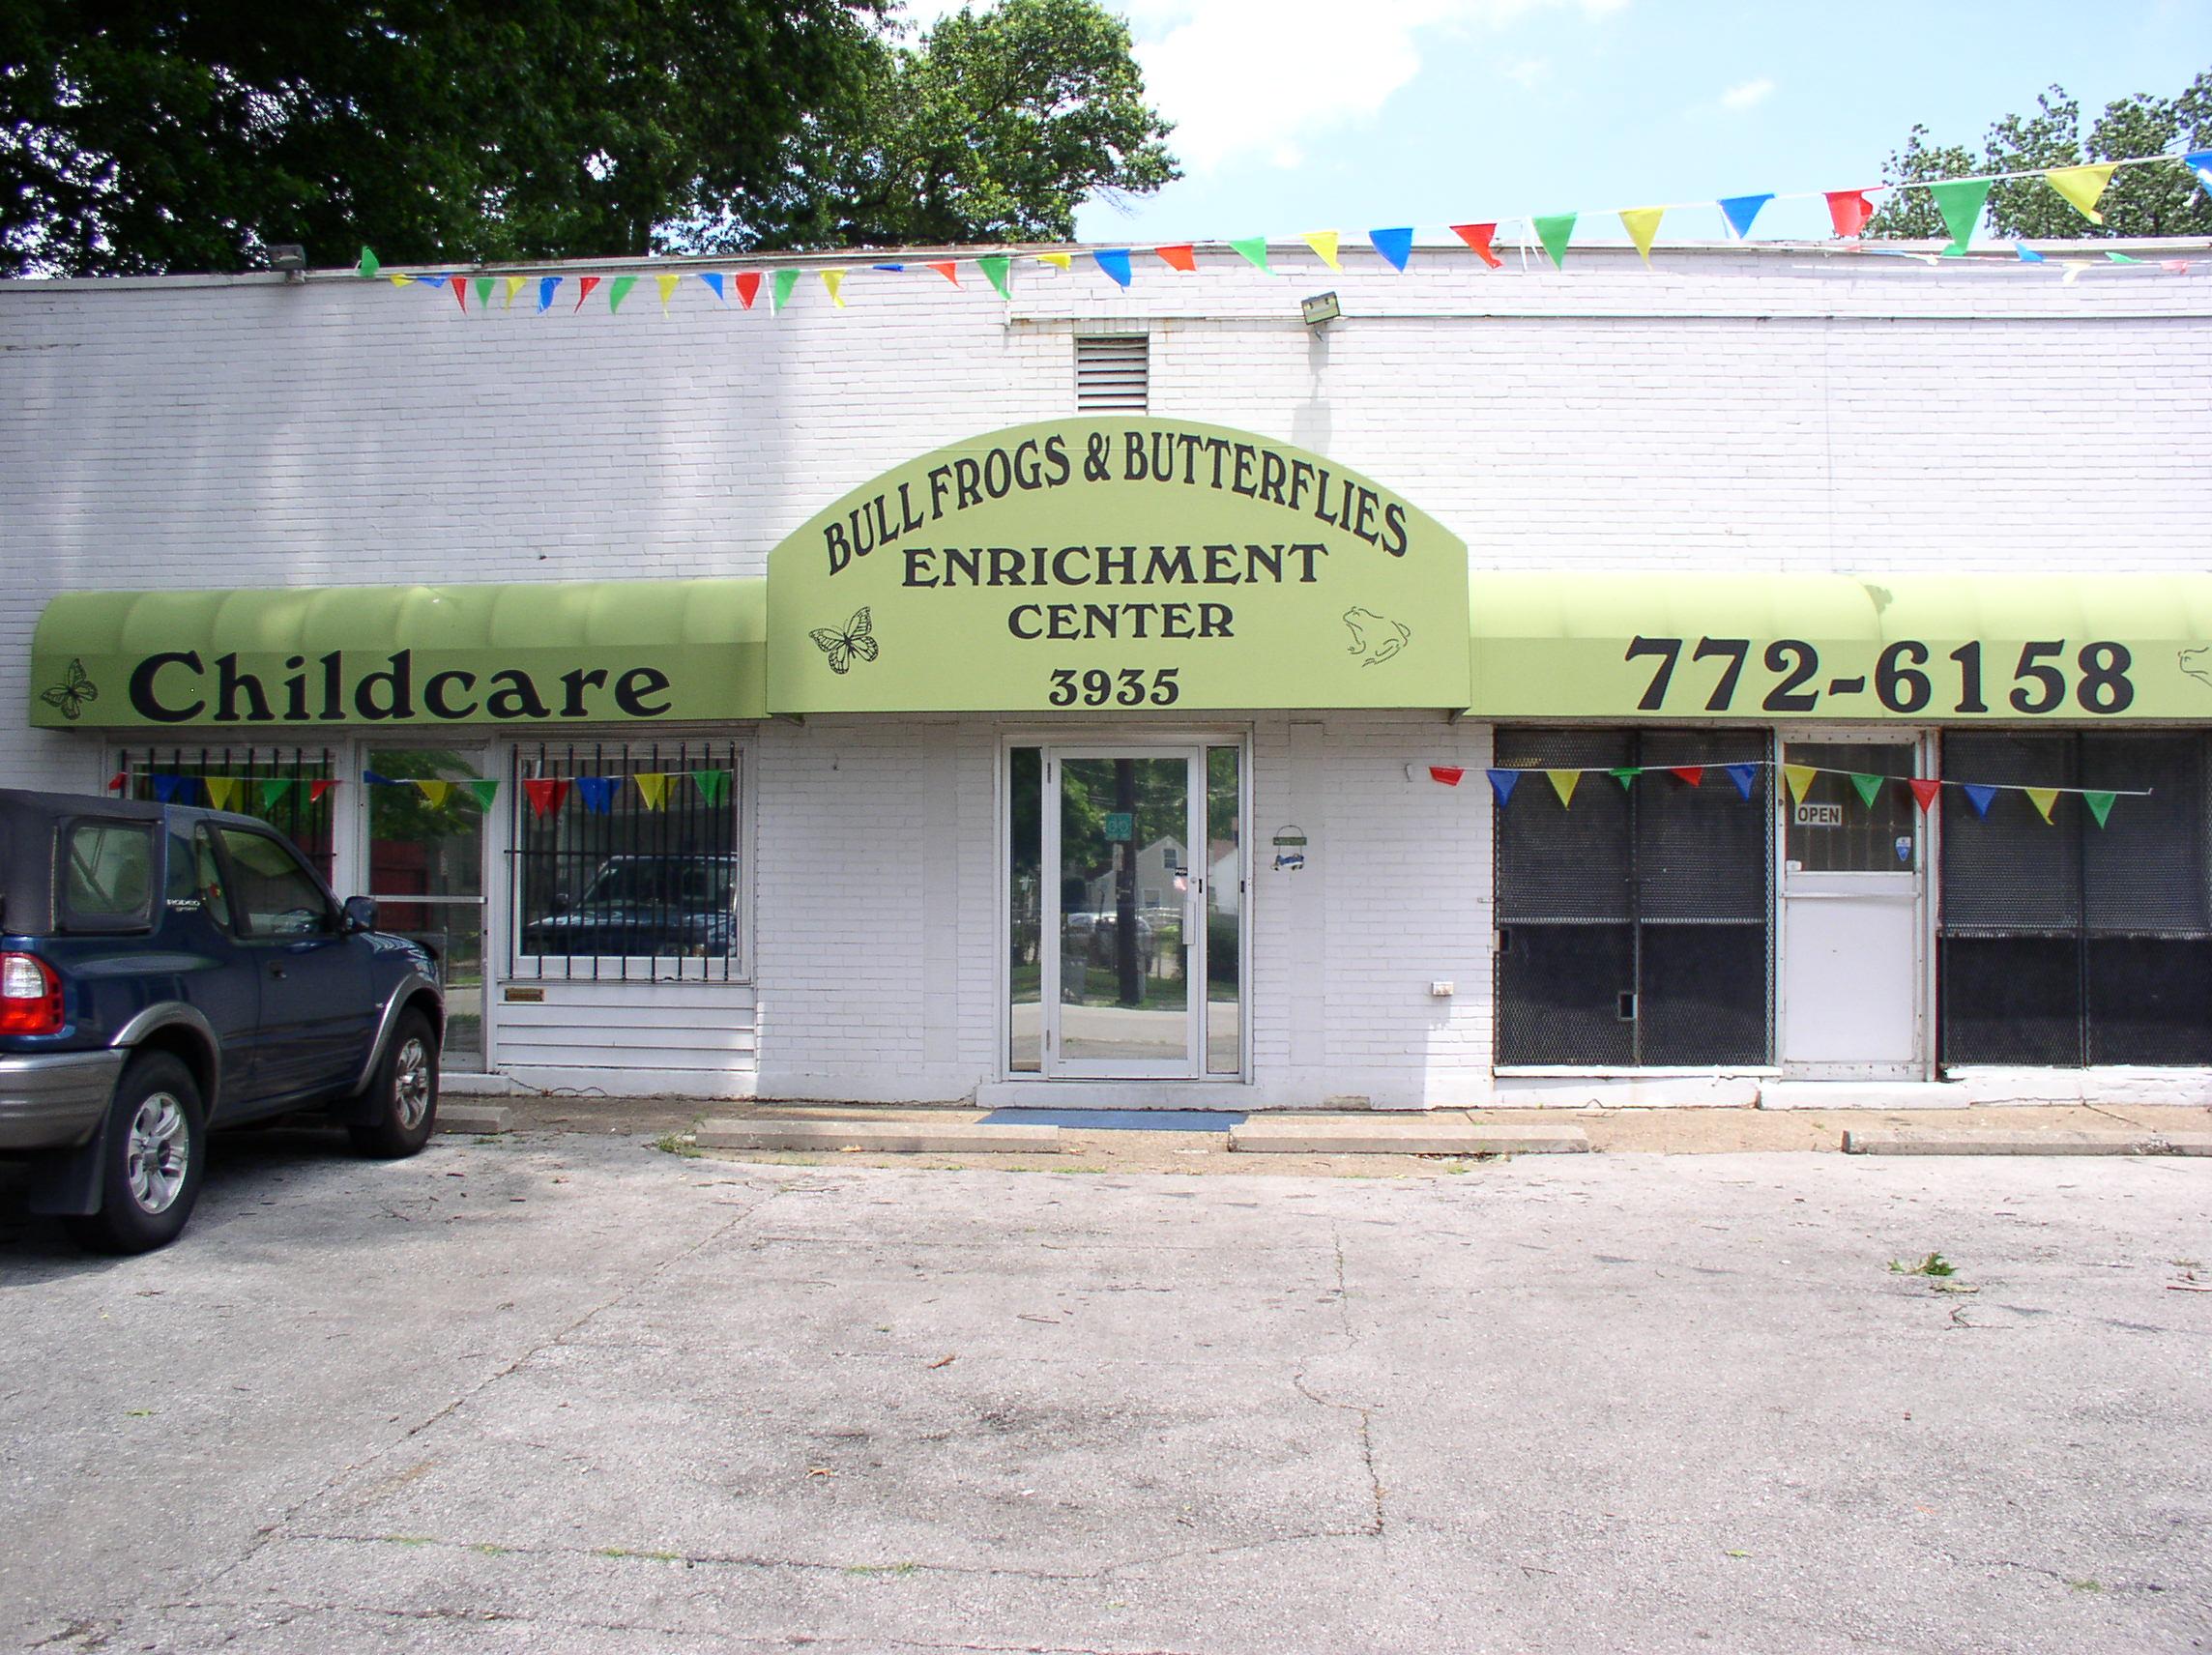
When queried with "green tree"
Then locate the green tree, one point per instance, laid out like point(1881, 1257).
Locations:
point(151, 135)
point(2140, 201)
point(994, 128)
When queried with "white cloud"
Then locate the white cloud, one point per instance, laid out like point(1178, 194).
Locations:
point(1750, 93)
point(1529, 74)
point(1270, 77)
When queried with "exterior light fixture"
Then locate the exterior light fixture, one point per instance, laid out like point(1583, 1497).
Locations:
point(1320, 310)
point(291, 258)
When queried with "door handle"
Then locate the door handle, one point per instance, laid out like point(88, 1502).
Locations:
point(275, 970)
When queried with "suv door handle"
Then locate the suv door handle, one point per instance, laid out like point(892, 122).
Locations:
point(275, 970)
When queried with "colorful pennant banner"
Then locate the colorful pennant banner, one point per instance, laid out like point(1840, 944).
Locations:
point(1960, 202)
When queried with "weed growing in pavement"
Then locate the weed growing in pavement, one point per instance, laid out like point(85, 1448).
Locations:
point(1934, 1264)
point(675, 1144)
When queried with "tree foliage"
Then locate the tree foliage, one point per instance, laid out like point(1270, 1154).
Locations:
point(154, 135)
point(2141, 200)
point(994, 128)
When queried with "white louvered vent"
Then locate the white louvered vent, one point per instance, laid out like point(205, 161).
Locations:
point(1113, 373)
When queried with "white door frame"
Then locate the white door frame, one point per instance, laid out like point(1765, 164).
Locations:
point(1928, 849)
point(1057, 1066)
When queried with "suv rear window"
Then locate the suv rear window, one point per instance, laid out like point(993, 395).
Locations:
point(107, 875)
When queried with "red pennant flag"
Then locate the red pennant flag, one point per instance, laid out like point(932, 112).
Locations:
point(460, 287)
point(1925, 792)
point(115, 782)
point(946, 267)
point(1691, 773)
point(748, 287)
point(584, 286)
point(1448, 775)
point(545, 795)
point(1477, 236)
point(1184, 255)
point(316, 790)
point(1849, 210)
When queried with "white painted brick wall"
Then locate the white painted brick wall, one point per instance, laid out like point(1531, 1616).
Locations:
point(1728, 410)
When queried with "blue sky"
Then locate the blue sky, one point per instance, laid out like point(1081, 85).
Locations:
point(1299, 115)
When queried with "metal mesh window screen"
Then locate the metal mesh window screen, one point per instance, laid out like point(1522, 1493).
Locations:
point(1634, 926)
point(1113, 373)
point(2068, 944)
point(277, 786)
point(630, 869)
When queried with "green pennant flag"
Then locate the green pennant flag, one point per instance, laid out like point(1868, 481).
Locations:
point(712, 785)
point(1255, 252)
point(484, 285)
point(1553, 230)
point(1960, 201)
point(1870, 788)
point(485, 792)
point(779, 292)
point(994, 266)
point(273, 791)
point(368, 268)
point(617, 290)
point(1625, 774)
point(2100, 804)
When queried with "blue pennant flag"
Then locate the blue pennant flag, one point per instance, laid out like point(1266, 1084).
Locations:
point(2199, 161)
point(435, 283)
point(2027, 255)
point(891, 267)
point(1115, 262)
point(545, 287)
point(713, 278)
point(165, 787)
point(1501, 783)
point(1740, 210)
point(1395, 246)
point(1978, 796)
point(375, 780)
point(1744, 775)
point(597, 791)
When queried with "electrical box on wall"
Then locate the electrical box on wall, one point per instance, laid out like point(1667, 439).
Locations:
point(1441, 989)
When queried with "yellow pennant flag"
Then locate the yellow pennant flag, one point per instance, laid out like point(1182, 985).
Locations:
point(1642, 226)
point(399, 280)
point(833, 279)
point(2081, 185)
point(1563, 784)
point(1799, 777)
point(1061, 261)
point(1324, 242)
point(514, 286)
point(2042, 798)
point(434, 792)
point(653, 788)
point(667, 281)
point(223, 791)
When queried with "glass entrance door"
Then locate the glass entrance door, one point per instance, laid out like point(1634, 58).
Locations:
point(1123, 912)
point(426, 870)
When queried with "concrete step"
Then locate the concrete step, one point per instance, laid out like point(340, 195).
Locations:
point(2023, 1141)
point(1289, 1135)
point(879, 1137)
point(477, 1117)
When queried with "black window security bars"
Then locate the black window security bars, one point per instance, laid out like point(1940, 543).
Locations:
point(2064, 942)
point(286, 787)
point(625, 860)
point(1633, 926)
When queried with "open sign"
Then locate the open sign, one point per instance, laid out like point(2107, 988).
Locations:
point(1818, 815)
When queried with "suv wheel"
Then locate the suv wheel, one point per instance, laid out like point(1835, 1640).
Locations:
point(155, 1151)
point(406, 1092)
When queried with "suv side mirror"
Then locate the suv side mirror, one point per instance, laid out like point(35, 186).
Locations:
point(360, 914)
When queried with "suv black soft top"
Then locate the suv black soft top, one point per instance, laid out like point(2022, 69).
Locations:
point(29, 819)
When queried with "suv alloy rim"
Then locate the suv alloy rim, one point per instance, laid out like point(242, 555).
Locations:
point(410, 1085)
point(160, 1153)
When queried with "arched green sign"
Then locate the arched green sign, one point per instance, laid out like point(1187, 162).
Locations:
point(1117, 564)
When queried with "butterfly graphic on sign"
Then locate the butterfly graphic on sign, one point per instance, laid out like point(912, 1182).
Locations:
point(69, 695)
point(856, 640)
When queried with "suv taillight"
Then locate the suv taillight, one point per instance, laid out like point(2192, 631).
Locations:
point(30, 996)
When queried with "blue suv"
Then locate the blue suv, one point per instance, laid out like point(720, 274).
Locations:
point(165, 970)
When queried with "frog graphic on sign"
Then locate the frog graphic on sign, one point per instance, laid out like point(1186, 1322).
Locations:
point(1374, 638)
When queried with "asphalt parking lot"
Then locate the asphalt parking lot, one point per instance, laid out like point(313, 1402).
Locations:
point(570, 1393)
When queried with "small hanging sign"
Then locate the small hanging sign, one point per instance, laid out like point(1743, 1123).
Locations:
point(1120, 826)
point(1290, 835)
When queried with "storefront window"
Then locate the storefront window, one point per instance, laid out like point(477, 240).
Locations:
point(1633, 923)
point(2065, 942)
point(627, 861)
point(289, 788)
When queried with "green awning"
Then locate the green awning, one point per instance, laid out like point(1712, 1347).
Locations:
point(1767, 648)
point(535, 655)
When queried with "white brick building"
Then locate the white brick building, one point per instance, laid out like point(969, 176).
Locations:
point(874, 910)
